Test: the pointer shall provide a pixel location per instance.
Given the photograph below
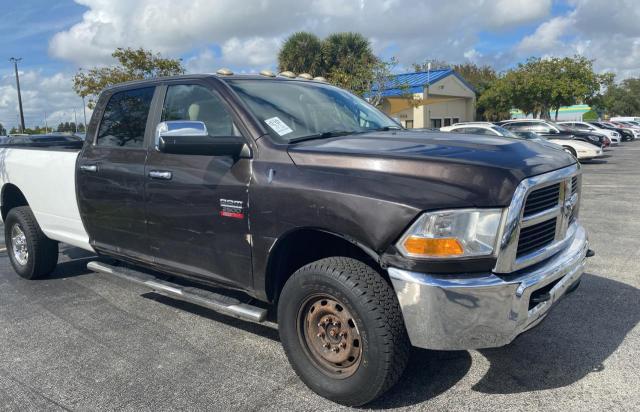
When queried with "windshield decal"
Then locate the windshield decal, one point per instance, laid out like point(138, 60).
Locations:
point(278, 126)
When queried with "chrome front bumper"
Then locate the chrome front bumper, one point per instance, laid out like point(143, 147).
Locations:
point(451, 312)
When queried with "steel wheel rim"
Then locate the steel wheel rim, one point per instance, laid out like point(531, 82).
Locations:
point(329, 335)
point(19, 245)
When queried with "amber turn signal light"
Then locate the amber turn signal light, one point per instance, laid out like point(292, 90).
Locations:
point(416, 245)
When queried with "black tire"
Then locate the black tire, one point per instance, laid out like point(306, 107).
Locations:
point(372, 303)
point(570, 150)
point(42, 252)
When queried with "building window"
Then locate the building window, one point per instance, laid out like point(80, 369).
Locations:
point(436, 123)
point(447, 122)
point(455, 120)
point(408, 124)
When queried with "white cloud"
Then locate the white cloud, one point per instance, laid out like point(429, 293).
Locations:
point(607, 31)
point(41, 94)
point(512, 12)
point(255, 52)
point(547, 36)
point(249, 33)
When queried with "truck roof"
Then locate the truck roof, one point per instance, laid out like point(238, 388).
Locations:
point(155, 80)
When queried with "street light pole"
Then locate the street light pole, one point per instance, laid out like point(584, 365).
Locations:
point(84, 110)
point(15, 61)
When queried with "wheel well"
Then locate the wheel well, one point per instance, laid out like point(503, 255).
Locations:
point(304, 246)
point(11, 197)
point(570, 149)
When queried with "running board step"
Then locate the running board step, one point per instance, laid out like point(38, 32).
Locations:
point(201, 297)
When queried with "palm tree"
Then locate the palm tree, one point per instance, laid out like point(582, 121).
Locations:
point(346, 49)
point(301, 53)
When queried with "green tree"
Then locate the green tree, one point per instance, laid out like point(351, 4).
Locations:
point(3, 131)
point(495, 102)
point(621, 99)
point(302, 53)
point(345, 59)
point(539, 86)
point(133, 64)
point(350, 63)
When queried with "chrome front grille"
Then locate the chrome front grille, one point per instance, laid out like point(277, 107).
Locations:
point(536, 236)
point(539, 220)
point(542, 199)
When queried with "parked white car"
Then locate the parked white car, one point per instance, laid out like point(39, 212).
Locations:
point(588, 127)
point(581, 150)
point(628, 124)
point(478, 128)
point(625, 119)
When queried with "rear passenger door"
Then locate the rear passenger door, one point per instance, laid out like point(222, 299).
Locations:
point(197, 205)
point(110, 175)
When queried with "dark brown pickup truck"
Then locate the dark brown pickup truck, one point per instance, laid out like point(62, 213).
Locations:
point(303, 201)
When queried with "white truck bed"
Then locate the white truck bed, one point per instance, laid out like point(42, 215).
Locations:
point(47, 179)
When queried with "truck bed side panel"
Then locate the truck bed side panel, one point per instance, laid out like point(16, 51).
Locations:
point(47, 180)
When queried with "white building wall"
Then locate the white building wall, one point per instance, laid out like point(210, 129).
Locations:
point(455, 110)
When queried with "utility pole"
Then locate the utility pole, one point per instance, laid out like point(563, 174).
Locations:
point(15, 61)
point(75, 119)
point(84, 110)
point(45, 123)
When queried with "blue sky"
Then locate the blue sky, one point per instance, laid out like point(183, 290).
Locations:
point(55, 38)
point(28, 26)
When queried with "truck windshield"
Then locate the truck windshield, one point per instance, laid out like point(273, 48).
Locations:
point(293, 111)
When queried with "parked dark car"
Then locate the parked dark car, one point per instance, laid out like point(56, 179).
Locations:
point(625, 133)
point(553, 130)
point(291, 199)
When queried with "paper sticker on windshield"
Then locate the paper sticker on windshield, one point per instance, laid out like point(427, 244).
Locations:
point(278, 126)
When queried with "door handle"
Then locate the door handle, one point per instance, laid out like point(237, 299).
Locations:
point(89, 168)
point(160, 174)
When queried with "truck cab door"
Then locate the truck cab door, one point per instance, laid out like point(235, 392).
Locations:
point(197, 216)
point(110, 175)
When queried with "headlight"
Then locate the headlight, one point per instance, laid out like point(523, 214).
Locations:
point(452, 233)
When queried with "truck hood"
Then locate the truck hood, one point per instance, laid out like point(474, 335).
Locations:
point(431, 169)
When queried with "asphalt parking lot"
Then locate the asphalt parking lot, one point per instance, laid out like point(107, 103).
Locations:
point(84, 341)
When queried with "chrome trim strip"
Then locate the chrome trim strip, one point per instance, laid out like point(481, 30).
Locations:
point(508, 245)
point(540, 217)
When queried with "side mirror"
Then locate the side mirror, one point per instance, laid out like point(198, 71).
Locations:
point(188, 137)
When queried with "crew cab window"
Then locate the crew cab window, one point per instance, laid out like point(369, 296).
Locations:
point(198, 103)
point(125, 118)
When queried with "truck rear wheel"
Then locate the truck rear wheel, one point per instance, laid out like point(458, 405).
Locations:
point(32, 254)
point(342, 330)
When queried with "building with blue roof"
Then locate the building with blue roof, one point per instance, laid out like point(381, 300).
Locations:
point(428, 99)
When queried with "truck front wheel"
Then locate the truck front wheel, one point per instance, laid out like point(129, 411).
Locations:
point(32, 254)
point(342, 330)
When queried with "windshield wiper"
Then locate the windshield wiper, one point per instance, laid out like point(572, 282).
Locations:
point(324, 135)
point(386, 128)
